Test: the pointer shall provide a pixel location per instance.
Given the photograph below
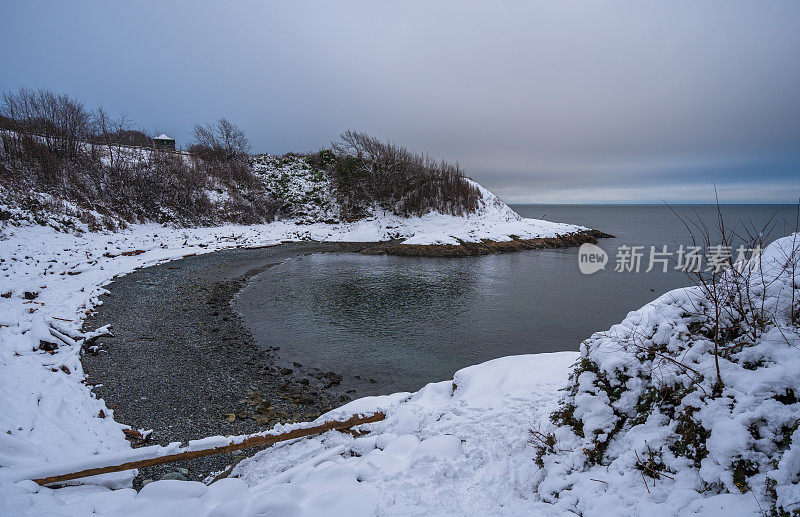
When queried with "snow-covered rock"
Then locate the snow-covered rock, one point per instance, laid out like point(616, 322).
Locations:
point(306, 193)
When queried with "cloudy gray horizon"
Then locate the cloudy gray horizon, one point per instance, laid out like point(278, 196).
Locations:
point(549, 102)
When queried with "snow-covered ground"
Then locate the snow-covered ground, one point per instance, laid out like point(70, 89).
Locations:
point(453, 448)
point(50, 280)
point(456, 447)
point(645, 426)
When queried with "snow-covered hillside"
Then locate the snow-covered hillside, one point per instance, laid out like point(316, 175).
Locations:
point(308, 200)
point(306, 193)
point(642, 427)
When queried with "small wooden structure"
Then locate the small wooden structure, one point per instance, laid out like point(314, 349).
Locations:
point(162, 141)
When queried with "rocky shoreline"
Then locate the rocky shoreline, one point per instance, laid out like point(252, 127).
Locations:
point(487, 246)
point(182, 363)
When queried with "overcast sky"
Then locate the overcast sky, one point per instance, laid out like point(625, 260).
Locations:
point(539, 101)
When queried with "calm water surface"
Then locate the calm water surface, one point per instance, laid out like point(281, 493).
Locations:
point(409, 321)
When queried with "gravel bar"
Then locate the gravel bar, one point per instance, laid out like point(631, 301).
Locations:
point(182, 364)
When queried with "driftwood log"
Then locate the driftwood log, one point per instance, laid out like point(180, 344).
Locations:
point(245, 442)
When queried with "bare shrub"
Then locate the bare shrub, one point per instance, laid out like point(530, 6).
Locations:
point(368, 173)
point(52, 145)
point(107, 128)
point(730, 307)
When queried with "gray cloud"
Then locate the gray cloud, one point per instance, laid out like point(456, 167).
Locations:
point(536, 100)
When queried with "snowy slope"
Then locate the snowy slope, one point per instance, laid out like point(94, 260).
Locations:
point(644, 429)
point(305, 192)
point(455, 447)
point(308, 199)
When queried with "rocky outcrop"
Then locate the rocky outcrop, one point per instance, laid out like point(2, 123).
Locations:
point(485, 246)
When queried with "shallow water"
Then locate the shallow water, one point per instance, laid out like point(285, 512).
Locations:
point(408, 321)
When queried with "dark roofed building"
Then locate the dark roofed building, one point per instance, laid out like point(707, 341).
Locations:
point(162, 141)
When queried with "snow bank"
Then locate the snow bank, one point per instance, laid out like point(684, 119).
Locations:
point(644, 427)
point(494, 220)
point(455, 447)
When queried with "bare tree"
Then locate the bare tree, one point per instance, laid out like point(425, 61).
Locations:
point(110, 130)
point(51, 144)
point(59, 120)
point(222, 141)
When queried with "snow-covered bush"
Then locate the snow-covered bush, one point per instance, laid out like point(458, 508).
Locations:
point(644, 409)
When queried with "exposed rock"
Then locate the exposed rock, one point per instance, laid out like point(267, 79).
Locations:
point(47, 346)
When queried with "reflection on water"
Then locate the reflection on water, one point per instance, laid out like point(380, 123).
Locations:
point(387, 297)
point(407, 321)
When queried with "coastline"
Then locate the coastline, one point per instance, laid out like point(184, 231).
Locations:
point(176, 336)
point(487, 246)
point(182, 363)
